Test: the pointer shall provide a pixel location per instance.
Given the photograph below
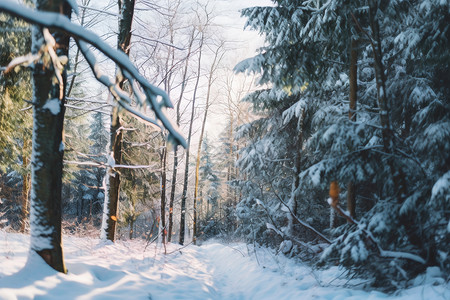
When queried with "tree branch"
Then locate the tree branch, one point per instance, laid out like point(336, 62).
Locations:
point(81, 35)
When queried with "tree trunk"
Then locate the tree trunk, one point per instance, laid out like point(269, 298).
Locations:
point(296, 182)
point(384, 104)
point(48, 150)
point(126, 8)
point(353, 78)
point(163, 194)
point(186, 168)
point(25, 188)
point(175, 150)
point(172, 193)
point(197, 164)
point(130, 235)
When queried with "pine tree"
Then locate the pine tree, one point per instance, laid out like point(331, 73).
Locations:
point(209, 184)
point(400, 88)
point(15, 117)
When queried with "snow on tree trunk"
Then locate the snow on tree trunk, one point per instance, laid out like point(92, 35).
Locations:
point(126, 8)
point(163, 194)
point(47, 145)
point(292, 212)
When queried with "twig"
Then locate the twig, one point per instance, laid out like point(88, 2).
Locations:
point(304, 224)
point(334, 202)
point(179, 248)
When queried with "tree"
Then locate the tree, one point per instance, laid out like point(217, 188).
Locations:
point(163, 158)
point(49, 83)
point(199, 29)
point(15, 118)
point(126, 8)
point(208, 194)
point(48, 102)
point(218, 55)
point(98, 149)
point(308, 45)
point(186, 167)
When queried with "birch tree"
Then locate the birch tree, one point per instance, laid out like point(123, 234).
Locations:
point(212, 76)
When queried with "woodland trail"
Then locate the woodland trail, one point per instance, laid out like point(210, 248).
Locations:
point(130, 270)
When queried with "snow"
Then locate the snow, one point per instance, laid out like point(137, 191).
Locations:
point(441, 187)
point(84, 37)
point(130, 270)
point(74, 5)
point(104, 228)
point(53, 106)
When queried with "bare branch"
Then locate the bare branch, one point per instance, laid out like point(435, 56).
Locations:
point(81, 35)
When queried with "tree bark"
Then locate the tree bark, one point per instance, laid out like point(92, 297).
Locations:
point(48, 150)
point(384, 104)
point(296, 182)
point(353, 78)
point(197, 164)
point(25, 186)
point(186, 168)
point(126, 8)
point(172, 193)
point(163, 194)
point(175, 150)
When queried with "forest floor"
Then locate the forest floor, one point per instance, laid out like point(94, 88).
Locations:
point(135, 270)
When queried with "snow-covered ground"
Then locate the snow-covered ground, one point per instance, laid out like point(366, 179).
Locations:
point(129, 270)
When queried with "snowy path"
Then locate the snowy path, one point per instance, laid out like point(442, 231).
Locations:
point(213, 271)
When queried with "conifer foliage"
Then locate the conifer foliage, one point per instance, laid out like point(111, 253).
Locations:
point(396, 150)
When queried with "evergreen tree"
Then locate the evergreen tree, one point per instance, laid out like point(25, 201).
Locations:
point(400, 91)
point(15, 118)
point(209, 222)
point(99, 137)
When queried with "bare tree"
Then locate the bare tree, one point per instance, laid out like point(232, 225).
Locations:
point(218, 55)
point(189, 137)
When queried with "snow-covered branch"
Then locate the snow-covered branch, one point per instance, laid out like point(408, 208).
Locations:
point(302, 223)
point(84, 37)
point(105, 165)
point(383, 253)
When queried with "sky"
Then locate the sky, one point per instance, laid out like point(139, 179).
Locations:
point(242, 44)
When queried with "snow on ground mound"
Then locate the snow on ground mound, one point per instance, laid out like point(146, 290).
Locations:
point(125, 270)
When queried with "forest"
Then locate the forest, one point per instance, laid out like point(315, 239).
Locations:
point(320, 134)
